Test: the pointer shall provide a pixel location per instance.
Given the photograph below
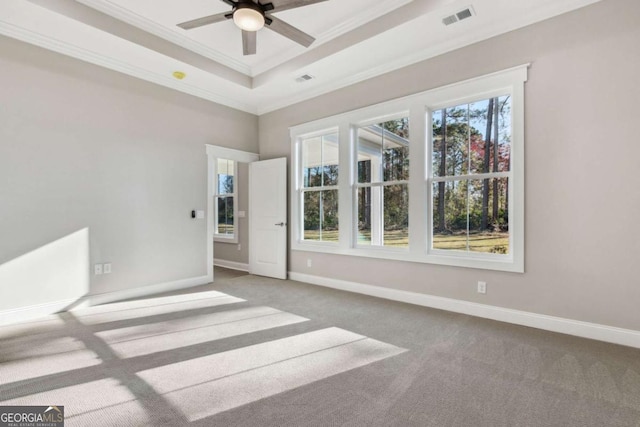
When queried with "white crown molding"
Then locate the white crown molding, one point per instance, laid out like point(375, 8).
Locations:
point(368, 15)
point(313, 89)
point(86, 55)
point(130, 17)
point(430, 51)
point(561, 325)
point(363, 17)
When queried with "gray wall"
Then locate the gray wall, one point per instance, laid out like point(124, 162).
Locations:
point(582, 197)
point(84, 147)
point(229, 251)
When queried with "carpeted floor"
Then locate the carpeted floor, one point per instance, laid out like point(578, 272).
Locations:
point(252, 351)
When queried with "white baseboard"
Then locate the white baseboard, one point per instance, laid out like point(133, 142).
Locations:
point(231, 265)
point(627, 337)
point(33, 312)
point(143, 291)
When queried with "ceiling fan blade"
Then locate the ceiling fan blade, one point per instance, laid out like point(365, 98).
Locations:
point(282, 5)
point(290, 32)
point(249, 42)
point(229, 2)
point(206, 20)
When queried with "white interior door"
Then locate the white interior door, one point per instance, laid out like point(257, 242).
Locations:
point(268, 218)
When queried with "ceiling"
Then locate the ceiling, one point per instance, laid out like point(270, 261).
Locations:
point(355, 40)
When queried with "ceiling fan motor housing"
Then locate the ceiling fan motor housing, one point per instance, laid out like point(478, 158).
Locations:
point(248, 4)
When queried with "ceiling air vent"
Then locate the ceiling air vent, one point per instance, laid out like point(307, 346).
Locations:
point(450, 20)
point(304, 78)
point(459, 16)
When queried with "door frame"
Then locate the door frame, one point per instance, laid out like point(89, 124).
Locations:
point(215, 152)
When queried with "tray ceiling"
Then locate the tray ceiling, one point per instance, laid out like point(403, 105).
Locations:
point(355, 40)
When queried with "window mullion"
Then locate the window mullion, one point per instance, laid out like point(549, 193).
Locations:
point(346, 175)
point(418, 201)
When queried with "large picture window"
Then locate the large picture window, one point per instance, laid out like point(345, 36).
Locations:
point(436, 177)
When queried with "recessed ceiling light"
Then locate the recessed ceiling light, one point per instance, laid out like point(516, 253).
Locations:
point(179, 75)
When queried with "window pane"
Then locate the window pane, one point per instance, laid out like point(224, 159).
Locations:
point(364, 168)
point(311, 212)
point(504, 134)
point(481, 125)
point(320, 160)
point(383, 215)
point(369, 222)
point(224, 216)
point(383, 151)
point(330, 215)
point(488, 217)
point(396, 150)
point(450, 141)
point(450, 215)
point(464, 138)
point(471, 215)
point(226, 172)
point(396, 215)
point(312, 162)
point(330, 159)
point(321, 216)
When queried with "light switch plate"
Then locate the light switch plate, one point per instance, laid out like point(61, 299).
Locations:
point(199, 214)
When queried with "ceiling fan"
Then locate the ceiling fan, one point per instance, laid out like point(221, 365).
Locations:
point(250, 16)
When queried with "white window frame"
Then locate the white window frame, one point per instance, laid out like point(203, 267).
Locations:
point(378, 184)
point(214, 153)
point(506, 82)
point(219, 237)
point(301, 189)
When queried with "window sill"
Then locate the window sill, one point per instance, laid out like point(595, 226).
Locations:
point(500, 263)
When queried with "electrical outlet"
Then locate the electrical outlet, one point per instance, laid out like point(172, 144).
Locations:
point(309, 263)
point(106, 268)
point(482, 287)
point(239, 247)
point(97, 269)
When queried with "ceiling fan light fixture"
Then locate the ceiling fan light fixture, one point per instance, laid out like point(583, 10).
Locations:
point(248, 17)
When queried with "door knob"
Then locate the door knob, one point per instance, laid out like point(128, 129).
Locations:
point(281, 224)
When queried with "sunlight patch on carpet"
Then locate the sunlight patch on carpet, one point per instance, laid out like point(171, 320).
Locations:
point(208, 385)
